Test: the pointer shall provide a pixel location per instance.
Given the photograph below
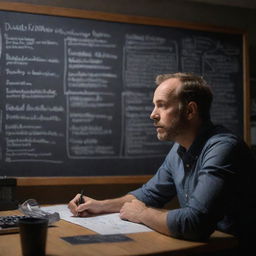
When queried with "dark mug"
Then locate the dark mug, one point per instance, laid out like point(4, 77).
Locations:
point(33, 235)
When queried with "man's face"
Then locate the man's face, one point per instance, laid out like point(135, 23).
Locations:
point(169, 120)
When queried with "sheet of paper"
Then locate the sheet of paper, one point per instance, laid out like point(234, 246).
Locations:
point(103, 224)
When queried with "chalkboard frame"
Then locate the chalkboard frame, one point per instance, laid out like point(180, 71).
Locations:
point(77, 13)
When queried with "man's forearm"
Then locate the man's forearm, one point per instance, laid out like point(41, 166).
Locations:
point(136, 211)
point(155, 219)
point(114, 205)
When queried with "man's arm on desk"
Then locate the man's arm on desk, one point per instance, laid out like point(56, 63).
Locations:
point(136, 211)
point(129, 207)
point(92, 206)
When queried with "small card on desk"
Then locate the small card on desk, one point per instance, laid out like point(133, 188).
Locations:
point(88, 239)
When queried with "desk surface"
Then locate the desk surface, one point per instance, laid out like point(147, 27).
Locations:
point(150, 243)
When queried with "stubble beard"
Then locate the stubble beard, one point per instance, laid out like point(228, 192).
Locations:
point(176, 129)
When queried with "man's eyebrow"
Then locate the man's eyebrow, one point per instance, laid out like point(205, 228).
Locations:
point(160, 101)
point(166, 101)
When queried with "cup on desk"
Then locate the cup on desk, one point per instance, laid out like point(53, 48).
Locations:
point(33, 235)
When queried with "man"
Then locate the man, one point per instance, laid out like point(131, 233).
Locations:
point(209, 169)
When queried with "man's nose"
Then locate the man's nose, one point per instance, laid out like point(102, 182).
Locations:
point(154, 115)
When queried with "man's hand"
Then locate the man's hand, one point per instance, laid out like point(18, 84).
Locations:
point(88, 208)
point(133, 211)
point(136, 211)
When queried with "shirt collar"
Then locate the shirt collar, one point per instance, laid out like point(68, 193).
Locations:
point(195, 149)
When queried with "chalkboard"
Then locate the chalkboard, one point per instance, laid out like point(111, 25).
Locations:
point(76, 92)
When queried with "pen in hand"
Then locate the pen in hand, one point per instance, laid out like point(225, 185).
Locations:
point(81, 200)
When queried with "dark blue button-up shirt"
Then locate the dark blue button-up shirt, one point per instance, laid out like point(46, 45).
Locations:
point(213, 181)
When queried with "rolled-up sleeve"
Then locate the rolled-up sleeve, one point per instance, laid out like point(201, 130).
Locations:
point(160, 189)
point(190, 224)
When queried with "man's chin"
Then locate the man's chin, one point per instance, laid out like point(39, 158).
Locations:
point(161, 137)
point(165, 137)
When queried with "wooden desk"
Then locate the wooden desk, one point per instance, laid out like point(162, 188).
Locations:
point(150, 243)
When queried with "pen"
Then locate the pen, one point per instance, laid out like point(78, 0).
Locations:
point(81, 200)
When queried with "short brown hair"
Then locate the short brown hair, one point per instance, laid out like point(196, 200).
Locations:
point(194, 88)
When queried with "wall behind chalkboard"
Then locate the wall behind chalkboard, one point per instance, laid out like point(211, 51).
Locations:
point(76, 93)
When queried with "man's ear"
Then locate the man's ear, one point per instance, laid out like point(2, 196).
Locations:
point(192, 110)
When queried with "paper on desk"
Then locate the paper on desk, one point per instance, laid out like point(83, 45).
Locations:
point(103, 224)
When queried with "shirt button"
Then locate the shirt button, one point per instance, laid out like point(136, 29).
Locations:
point(187, 165)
